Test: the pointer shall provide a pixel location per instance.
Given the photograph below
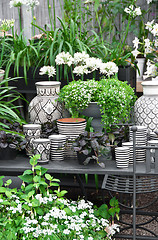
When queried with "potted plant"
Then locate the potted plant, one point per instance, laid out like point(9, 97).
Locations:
point(90, 146)
point(12, 142)
point(114, 99)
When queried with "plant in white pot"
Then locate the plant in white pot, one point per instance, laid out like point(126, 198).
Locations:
point(114, 98)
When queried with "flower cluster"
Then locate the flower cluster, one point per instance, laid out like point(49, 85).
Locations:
point(50, 70)
point(19, 3)
point(37, 212)
point(6, 25)
point(84, 64)
point(150, 49)
point(133, 12)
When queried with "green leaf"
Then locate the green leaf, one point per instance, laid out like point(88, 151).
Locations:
point(48, 177)
point(40, 211)
point(30, 194)
point(27, 172)
point(26, 178)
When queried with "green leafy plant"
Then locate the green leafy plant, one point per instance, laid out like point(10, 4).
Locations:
point(8, 111)
point(39, 210)
point(93, 145)
point(114, 97)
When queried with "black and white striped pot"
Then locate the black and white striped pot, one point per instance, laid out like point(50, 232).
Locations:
point(57, 147)
point(72, 128)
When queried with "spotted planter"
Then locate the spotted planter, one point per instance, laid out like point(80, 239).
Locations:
point(45, 107)
point(146, 107)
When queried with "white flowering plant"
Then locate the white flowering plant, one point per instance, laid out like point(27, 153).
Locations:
point(114, 97)
point(150, 49)
point(81, 63)
point(40, 211)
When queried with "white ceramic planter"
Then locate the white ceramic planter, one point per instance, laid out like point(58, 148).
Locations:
point(140, 64)
point(146, 107)
point(42, 146)
point(45, 107)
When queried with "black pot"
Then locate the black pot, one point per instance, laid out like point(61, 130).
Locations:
point(82, 157)
point(8, 153)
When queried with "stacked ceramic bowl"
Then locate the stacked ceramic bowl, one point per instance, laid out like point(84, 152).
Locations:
point(153, 136)
point(130, 145)
point(141, 140)
point(57, 147)
point(122, 157)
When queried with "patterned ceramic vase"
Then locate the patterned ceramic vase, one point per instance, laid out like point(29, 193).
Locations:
point(45, 107)
point(42, 146)
point(146, 106)
point(31, 132)
point(72, 128)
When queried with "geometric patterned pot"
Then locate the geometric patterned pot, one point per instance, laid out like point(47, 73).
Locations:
point(31, 132)
point(42, 146)
point(45, 107)
point(146, 107)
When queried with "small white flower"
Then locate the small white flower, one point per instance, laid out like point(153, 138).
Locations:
point(149, 25)
point(137, 12)
point(136, 42)
point(154, 31)
point(80, 70)
point(66, 231)
point(149, 1)
point(135, 53)
point(80, 57)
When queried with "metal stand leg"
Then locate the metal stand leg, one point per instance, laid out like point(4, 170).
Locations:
point(81, 186)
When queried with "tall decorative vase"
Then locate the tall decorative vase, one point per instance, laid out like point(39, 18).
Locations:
point(45, 107)
point(146, 107)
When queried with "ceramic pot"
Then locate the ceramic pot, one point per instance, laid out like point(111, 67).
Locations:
point(57, 147)
point(146, 107)
point(140, 65)
point(42, 146)
point(31, 132)
point(93, 110)
point(45, 107)
point(72, 128)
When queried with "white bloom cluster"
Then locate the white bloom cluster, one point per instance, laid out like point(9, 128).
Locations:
point(6, 24)
point(108, 68)
point(16, 3)
point(149, 1)
point(64, 58)
point(50, 70)
point(133, 12)
point(80, 58)
point(31, 3)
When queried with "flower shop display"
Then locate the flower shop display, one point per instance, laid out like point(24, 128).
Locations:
point(45, 107)
point(57, 147)
point(31, 132)
point(40, 210)
point(41, 146)
point(146, 107)
point(72, 128)
point(115, 99)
